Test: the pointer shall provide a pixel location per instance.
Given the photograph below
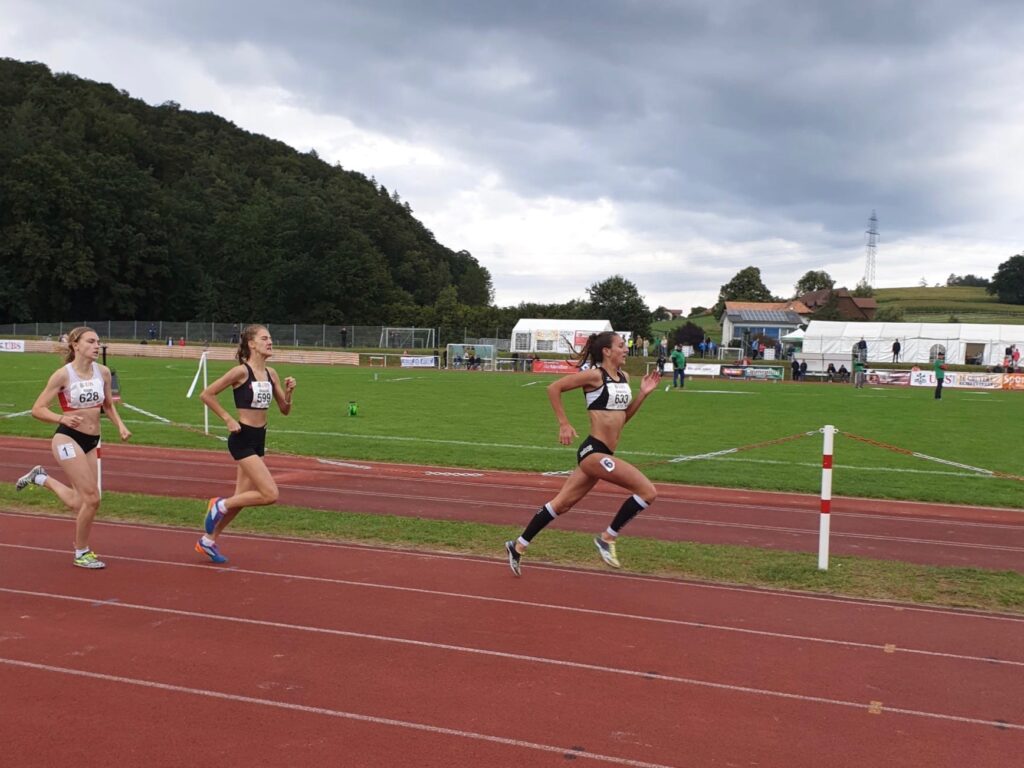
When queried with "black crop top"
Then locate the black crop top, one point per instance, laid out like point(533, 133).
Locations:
point(254, 394)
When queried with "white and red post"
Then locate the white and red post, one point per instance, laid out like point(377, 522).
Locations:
point(201, 370)
point(826, 497)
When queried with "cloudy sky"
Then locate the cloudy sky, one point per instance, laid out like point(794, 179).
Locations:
point(563, 141)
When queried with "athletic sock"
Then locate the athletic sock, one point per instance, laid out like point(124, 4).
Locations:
point(536, 525)
point(208, 541)
point(626, 512)
point(221, 509)
point(80, 552)
point(40, 479)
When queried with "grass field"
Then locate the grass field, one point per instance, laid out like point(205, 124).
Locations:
point(504, 421)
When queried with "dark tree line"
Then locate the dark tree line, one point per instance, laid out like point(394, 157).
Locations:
point(113, 208)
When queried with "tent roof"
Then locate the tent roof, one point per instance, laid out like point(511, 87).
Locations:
point(936, 331)
point(528, 324)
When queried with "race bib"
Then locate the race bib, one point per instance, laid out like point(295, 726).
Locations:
point(85, 394)
point(262, 394)
point(619, 396)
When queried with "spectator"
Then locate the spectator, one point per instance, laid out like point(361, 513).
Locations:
point(858, 373)
point(678, 367)
point(151, 332)
point(896, 351)
point(940, 374)
point(702, 346)
point(803, 370)
point(862, 349)
point(842, 374)
point(661, 362)
point(830, 372)
point(796, 369)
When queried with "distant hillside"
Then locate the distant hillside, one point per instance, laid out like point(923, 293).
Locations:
point(112, 208)
point(940, 305)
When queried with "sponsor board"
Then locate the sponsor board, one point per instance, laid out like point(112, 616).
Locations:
point(9, 345)
point(702, 369)
point(758, 373)
point(554, 366)
point(426, 361)
point(968, 380)
point(888, 377)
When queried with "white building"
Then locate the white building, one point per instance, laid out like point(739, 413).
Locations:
point(559, 336)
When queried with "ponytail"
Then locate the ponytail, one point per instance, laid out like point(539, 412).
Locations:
point(593, 350)
point(73, 336)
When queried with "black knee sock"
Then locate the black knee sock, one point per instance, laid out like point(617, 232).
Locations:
point(536, 525)
point(627, 512)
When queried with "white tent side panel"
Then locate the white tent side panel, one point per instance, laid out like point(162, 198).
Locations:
point(831, 341)
point(559, 336)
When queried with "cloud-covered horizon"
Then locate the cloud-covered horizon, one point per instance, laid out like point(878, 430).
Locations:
point(674, 143)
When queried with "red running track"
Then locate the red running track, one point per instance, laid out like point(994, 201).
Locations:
point(305, 653)
point(911, 532)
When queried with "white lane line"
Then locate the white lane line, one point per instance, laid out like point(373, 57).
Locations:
point(601, 613)
point(334, 463)
point(409, 725)
point(15, 415)
point(145, 413)
point(673, 583)
point(526, 658)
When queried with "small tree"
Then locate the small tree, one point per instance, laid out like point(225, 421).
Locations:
point(1008, 281)
point(863, 290)
point(814, 280)
point(745, 285)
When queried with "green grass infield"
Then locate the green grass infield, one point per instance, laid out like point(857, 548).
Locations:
point(487, 420)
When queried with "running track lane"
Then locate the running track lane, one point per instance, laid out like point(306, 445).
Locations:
point(910, 532)
point(325, 654)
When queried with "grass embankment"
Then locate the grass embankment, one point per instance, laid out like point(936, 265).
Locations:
point(941, 305)
point(854, 577)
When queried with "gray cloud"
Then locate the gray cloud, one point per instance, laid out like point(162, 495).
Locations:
point(785, 121)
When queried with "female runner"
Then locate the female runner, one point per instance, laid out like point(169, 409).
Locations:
point(610, 404)
point(82, 387)
point(255, 386)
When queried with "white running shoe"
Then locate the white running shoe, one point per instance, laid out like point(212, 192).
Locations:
point(29, 477)
point(607, 550)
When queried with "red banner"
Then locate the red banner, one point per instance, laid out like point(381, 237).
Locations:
point(554, 366)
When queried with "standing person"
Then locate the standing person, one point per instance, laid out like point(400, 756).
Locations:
point(858, 373)
point(896, 351)
point(82, 387)
point(610, 404)
point(255, 385)
point(862, 349)
point(678, 367)
point(795, 365)
point(940, 374)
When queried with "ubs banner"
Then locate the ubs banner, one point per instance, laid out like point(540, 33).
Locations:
point(7, 345)
point(969, 380)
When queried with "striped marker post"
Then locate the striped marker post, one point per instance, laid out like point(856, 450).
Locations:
point(99, 468)
point(206, 410)
point(826, 496)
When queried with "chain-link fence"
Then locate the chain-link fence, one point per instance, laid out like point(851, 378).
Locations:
point(168, 332)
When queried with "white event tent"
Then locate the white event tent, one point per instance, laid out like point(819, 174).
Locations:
point(962, 343)
point(560, 336)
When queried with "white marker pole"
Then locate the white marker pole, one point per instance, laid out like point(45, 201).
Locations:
point(195, 380)
point(826, 497)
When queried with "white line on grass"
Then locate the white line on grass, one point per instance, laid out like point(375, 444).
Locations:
point(15, 415)
point(145, 413)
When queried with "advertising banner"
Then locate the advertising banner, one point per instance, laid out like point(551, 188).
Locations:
point(701, 369)
point(751, 372)
point(554, 366)
point(962, 379)
point(1013, 381)
point(888, 377)
point(8, 345)
point(428, 361)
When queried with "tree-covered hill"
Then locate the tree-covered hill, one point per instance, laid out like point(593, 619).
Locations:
point(113, 208)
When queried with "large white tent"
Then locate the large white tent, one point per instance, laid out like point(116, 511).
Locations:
point(961, 343)
point(560, 336)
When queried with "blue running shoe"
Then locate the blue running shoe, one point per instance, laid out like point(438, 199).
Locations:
point(211, 550)
point(212, 516)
